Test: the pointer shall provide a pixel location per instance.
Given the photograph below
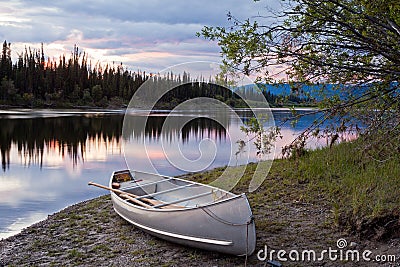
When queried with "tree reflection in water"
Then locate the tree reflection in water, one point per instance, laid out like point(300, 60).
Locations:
point(70, 135)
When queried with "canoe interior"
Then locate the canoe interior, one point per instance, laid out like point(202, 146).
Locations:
point(185, 194)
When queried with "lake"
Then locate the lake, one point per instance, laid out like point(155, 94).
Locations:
point(49, 156)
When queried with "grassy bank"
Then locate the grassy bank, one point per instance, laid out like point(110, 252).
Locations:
point(363, 193)
point(362, 190)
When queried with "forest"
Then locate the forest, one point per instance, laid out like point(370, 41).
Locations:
point(35, 80)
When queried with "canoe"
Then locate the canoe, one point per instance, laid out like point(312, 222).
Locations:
point(185, 212)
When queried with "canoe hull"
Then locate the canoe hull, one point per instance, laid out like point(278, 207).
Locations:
point(225, 226)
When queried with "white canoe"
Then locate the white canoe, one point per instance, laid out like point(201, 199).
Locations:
point(185, 212)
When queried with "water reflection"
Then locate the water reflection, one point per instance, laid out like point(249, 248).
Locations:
point(68, 139)
point(39, 140)
point(68, 136)
point(154, 129)
point(48, 157)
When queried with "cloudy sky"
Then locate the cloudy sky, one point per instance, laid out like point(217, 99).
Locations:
point(143, 34)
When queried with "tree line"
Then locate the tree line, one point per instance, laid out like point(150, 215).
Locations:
point(36, 81)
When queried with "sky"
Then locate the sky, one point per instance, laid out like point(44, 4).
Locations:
point(146, 35)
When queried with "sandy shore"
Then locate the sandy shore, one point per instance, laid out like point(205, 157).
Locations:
point(92, 234)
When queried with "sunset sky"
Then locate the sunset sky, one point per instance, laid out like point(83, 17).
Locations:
point(148, 35)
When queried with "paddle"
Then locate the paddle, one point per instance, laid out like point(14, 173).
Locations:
point(136, 201)
point(132, 197)
point(129, 196)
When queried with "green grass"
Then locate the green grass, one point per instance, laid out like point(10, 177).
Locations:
point(75, 254)
point(356, 187)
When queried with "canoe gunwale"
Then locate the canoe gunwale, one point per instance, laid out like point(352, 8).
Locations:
point(168, 178)
point(180, 209)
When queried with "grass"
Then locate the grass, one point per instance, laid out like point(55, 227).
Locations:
point(75, 254)
point(357, 188)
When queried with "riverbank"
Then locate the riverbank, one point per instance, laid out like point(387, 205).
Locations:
point(92, 234)
point(293, 211)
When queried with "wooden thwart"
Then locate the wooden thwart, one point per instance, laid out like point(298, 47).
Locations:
point(182, 200)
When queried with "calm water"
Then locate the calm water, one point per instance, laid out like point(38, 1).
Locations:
point(48, 157)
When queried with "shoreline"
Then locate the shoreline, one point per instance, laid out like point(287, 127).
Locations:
point(123, 109)
point(295, 208)
point(90, 233)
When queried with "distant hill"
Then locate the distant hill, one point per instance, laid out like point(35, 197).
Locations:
point(316, 92)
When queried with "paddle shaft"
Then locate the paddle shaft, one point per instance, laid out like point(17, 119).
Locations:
point(129, 196)
point(134, 200)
